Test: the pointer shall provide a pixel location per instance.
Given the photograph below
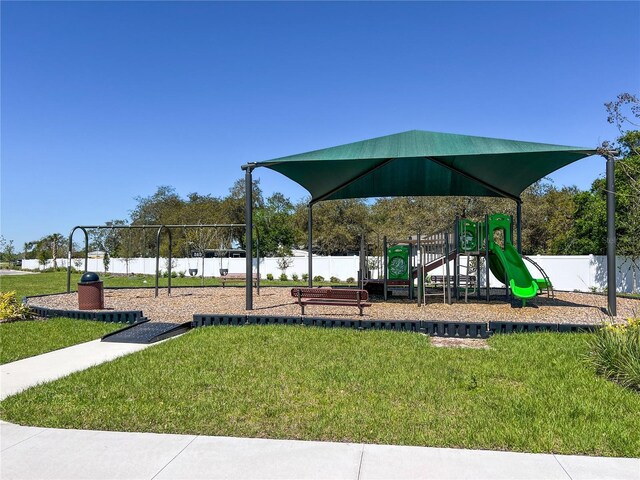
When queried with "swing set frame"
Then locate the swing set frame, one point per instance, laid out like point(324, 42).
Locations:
point(158, 228)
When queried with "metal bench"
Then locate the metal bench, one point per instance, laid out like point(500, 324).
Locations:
point(348, 297)
point(238, 277)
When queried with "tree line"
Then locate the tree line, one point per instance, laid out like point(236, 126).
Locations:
point(555, 220)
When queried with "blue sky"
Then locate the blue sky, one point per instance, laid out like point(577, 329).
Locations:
point(109, 100)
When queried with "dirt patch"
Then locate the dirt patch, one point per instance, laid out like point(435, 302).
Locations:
point(448, 342)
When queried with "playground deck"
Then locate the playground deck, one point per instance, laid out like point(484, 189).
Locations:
point(567, 307)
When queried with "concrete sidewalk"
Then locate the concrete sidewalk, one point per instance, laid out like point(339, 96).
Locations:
point(43, 453)
point(22, 374)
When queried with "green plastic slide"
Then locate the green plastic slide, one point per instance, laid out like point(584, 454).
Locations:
point(509, 262)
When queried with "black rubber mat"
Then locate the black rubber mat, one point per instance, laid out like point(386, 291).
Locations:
point(147, 332)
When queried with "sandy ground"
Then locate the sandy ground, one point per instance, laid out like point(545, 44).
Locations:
point(185, 302)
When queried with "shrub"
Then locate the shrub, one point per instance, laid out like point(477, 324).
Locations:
point(182, 274)
point(174, 274)
point(351, 280)
point(615, 352)
point(269, 276)
point(334, 280)
point(305, 276)
point(294, 277)
point(318, 278)
point(11, 309)
point(283, 277)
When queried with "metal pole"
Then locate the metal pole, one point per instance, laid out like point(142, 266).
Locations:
point(456, 260)
point(447, 248)
point(410, 270)
point(86, 254)
point(157, 258)
point(170, 257)
point(310, 244)
point(158, 237)
point(419, 276)
point(68, 261)
point(519, 225)
point(478, 258)
point(384, 266)
point(486, 257)
point(257, 261)
point(248, 213)
point(128, 250)
point(611, 236)
point(362, 263)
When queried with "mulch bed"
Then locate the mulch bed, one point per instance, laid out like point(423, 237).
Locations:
point(567, 307)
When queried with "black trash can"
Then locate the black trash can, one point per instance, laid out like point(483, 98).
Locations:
point(90, 292)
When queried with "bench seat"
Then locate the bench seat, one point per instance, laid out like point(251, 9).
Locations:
point(346, 297)
point(238, 277)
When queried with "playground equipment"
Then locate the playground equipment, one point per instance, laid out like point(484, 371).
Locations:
point(470, 245)
point(408, 262)
point(491, 241)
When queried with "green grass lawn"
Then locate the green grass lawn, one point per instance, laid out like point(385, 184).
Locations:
point(25, 339)
point(56, 282)
point(529, 392)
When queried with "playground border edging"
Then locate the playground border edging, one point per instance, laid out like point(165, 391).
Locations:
point(111, 316)
point(432, 328)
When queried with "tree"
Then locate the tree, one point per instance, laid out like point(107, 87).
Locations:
point(588, 234)
point(233, 207)
point(27, 247)
point(157, 209)
point(56, 239)
point(7, 253)
point(110, 240)
point(624, 113)
point(42, 258)
point(276, 226)
point(338, 225)
point(547, 218)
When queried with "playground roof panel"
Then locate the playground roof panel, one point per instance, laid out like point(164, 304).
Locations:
point(425, 164)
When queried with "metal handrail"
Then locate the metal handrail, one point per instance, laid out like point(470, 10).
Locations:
point(550, 292)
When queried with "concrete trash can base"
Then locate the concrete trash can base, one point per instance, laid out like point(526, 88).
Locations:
point(90, 292)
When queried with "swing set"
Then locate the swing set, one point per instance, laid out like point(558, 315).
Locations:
point(158, 229)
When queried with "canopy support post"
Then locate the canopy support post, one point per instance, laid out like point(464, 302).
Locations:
point(310, 244)
point(611, 235)
point(248, 213)
point(519, 224)
point(384, 266)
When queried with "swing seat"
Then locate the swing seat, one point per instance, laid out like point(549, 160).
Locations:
point(238, 277)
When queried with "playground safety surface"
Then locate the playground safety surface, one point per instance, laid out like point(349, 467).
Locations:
point(566, 307)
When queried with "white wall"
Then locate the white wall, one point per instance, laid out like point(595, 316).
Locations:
point(575, 272)
point(327, 267)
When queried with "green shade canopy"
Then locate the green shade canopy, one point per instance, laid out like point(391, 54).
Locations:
point(424, 164)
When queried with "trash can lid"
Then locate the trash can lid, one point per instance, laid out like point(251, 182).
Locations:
point(89, 277)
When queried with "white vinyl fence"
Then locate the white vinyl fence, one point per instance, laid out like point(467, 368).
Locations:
point(571, 272)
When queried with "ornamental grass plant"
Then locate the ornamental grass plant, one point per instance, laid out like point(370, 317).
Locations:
point(615, 352)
